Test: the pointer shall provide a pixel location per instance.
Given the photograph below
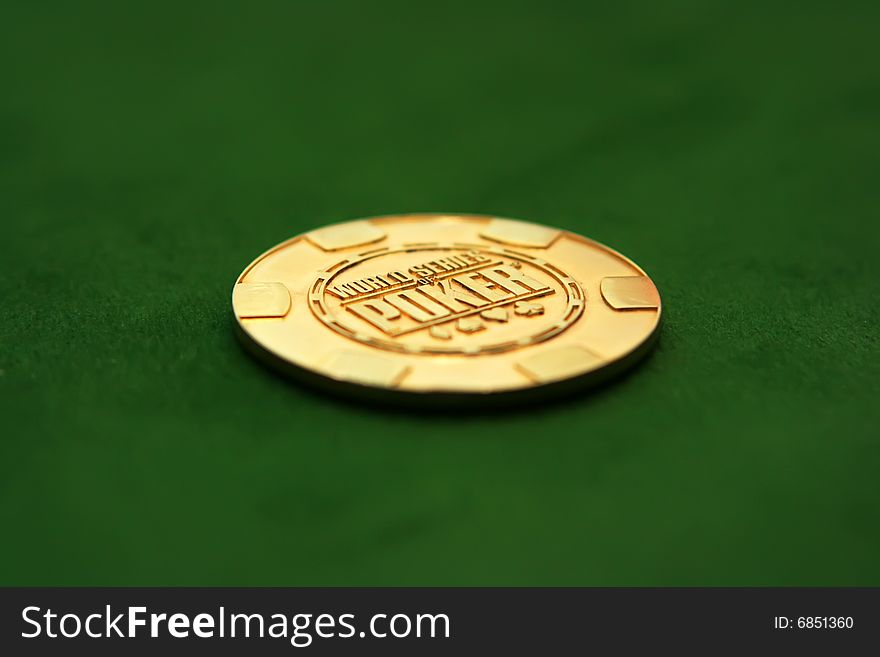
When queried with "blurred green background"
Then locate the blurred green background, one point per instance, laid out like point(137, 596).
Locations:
point(149, 151)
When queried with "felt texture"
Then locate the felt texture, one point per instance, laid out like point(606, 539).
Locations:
point(149, 151)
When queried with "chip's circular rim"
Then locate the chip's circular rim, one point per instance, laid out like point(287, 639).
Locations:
point(364, 392)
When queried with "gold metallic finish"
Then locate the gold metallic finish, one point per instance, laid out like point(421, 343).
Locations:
point(364, 368)
point(440, 333)
point(559, 363)
point(528, 308)
point(519, 233)
point(470, 324)
point(347, 235)
point(260, 300)
point(495, 314)
point(434, 306)
point(630, 292)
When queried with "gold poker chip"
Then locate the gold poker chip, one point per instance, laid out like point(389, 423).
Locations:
point(428, 306)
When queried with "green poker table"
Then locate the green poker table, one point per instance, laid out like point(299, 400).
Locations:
point(150, 151)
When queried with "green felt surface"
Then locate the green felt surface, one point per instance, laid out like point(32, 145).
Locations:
point(149, 152)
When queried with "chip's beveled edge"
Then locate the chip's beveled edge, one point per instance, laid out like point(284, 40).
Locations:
point(441, 401)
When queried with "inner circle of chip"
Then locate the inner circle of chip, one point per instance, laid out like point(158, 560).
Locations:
point(427, 306)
